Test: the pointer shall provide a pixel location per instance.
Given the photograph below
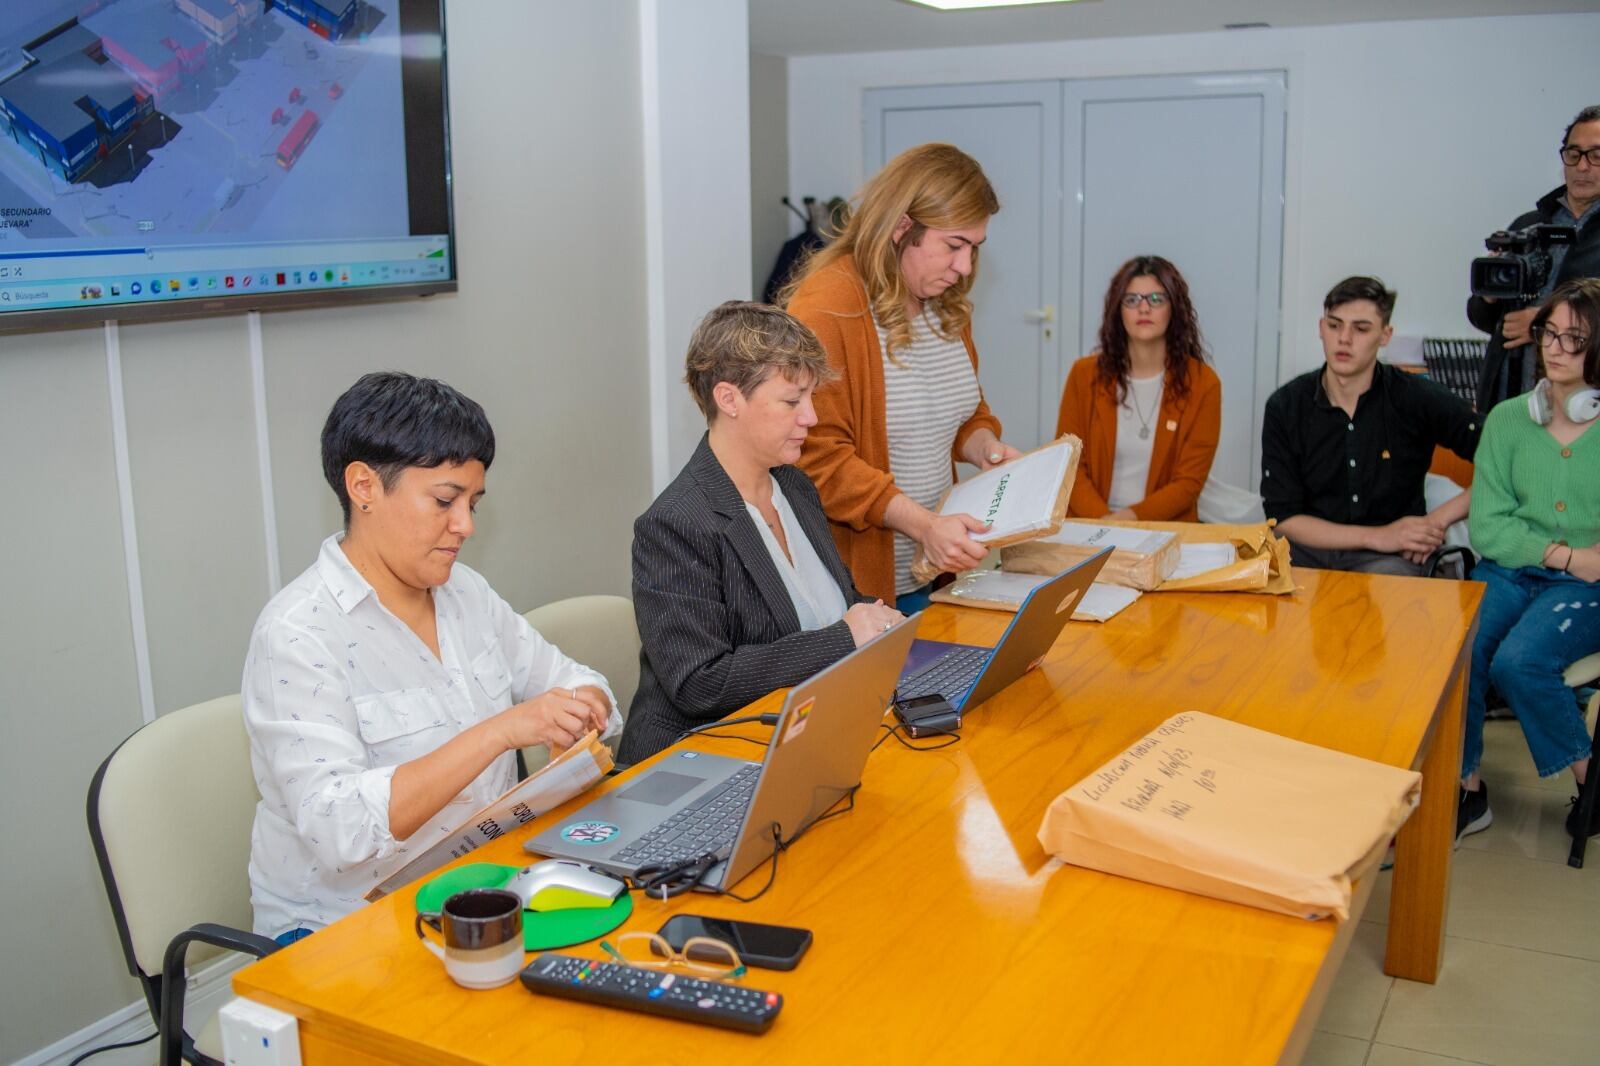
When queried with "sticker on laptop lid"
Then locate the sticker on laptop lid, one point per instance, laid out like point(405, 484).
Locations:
point(590, 832)
point(797, 720)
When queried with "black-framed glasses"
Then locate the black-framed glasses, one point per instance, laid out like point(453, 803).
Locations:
point(1132, 300)
point(1572, 342)
point(1570, 155)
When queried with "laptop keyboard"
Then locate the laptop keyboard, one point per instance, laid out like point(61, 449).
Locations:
point(707, 825)
point(951, 675)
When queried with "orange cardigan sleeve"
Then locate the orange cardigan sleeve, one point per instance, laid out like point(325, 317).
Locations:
point(854, 492)
point(1199, 428)
point(1077, 401)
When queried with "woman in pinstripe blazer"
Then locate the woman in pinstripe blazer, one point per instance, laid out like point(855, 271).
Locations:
point(738, 587)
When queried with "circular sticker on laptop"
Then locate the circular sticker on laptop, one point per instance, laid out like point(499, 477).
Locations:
point(590, 833)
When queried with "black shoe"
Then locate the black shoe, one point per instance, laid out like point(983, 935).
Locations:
point(1572, 820)
point(1472, 813)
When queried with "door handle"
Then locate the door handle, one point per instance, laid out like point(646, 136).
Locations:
point(1043, 315)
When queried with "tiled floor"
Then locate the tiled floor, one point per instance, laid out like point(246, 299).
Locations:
point(1521, 980)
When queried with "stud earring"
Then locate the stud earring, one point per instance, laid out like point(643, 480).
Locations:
point(364, 507)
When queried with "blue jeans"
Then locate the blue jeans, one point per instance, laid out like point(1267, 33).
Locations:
point(1533, 624)
point(909, 603)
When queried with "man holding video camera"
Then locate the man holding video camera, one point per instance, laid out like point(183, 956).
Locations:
point(1537, 253)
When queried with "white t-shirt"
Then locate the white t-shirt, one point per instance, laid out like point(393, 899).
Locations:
point(1130, 467)
point(927, 399)
point(338, 692)
point(818, 601)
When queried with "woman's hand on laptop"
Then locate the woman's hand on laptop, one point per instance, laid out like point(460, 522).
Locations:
point(868, 620)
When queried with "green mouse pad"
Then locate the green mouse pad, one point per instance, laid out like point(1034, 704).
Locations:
point(541, 930)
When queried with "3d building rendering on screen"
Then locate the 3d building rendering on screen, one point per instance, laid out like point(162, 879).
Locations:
point(332, 19)
point(69, 106)
point(221, 20)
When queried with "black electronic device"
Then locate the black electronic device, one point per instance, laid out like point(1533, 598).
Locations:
point(927, 716)
point(665, 992)
point(773, 947)
point(1521, 262)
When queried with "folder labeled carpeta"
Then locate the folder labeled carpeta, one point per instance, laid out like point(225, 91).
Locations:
point(1022, 499)
point(1221, 809)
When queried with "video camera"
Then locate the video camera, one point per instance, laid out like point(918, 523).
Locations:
point(1523, 264)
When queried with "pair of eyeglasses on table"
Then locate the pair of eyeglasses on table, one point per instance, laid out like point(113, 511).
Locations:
point(700, 955)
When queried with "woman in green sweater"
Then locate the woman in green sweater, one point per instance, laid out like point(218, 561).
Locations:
point(1535, 519)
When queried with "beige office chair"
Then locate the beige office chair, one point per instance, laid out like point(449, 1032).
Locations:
point(599, 632)
point(1586, 671)
point(170, 814)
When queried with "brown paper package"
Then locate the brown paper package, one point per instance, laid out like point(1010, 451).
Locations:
point(1209, 806)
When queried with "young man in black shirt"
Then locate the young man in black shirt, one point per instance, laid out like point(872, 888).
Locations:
point(1345, 448)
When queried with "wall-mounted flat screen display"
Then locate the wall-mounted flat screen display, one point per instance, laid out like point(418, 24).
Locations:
point(178, 157)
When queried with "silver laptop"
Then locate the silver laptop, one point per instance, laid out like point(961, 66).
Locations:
point(966, 674)
point(692, 804)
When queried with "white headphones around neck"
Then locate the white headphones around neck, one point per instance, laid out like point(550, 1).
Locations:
point(1582, 406)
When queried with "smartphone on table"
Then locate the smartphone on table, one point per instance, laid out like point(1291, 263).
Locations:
point(771, 947)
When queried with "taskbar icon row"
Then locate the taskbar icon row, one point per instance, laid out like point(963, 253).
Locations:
point(211, 284)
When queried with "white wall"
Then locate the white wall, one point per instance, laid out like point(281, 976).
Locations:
point(695, 85)
point(1408, 142)
point(548, 332)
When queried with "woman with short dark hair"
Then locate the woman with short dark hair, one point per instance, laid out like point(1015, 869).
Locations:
point(1145, 404)
point(1535, 519)
point(387, 688)
point(737, 586)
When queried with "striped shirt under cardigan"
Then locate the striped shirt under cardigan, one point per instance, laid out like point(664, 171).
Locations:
point(927, 399)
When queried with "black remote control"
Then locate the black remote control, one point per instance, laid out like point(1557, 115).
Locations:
point(674, 995)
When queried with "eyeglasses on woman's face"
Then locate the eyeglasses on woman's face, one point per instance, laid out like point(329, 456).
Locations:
point(1154, 299)
point(1572, 341)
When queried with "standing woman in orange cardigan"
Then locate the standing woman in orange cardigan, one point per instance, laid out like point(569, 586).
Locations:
point(888, 300)
point(1145, 404)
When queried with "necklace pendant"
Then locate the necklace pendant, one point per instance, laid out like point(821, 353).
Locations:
point(1144, 432)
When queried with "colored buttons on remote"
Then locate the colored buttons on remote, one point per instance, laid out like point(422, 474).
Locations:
point(672, 995)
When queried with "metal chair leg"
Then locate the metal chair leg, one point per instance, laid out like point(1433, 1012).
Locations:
point(1587, 796)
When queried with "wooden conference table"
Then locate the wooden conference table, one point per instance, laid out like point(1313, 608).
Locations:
point(942, 930)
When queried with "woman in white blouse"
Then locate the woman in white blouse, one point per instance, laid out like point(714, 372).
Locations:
point(387, 688)
point(737, 584)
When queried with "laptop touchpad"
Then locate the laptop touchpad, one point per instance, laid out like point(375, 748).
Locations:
point(660, 788)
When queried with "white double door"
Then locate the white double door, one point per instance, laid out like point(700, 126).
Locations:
point(1089, 174)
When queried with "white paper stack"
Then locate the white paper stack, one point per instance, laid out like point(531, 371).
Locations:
point(1196, 559)
point(997, 590)
point(1140, 558)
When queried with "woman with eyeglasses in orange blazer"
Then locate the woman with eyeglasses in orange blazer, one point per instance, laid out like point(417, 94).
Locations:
point(1145, 403)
